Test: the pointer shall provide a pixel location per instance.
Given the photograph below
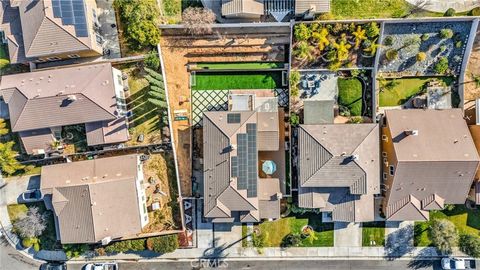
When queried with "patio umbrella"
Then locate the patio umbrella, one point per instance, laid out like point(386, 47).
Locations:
point(269, 167)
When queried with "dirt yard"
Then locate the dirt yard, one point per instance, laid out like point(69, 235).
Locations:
point(177, 53)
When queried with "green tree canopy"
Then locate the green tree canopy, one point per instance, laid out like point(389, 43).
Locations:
point(8, 161)
point(444, 235)
point(470, 244)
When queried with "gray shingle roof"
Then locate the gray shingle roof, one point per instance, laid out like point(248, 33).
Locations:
point(238, 7)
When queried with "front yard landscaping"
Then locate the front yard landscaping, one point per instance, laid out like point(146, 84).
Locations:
point(373, 234)
point(350, 95)
point(47, 239)
point(236, 80)
point(395, 92)
point(275, 233)
point(467, 221)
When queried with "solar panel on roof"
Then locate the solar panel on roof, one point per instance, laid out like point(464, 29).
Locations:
point(233, 118)
point(72, 12)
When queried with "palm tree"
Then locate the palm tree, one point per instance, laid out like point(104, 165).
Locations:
point(303, 51)
point(342, 50)
point(359, 35)
point(322, 38)
point(372, 49)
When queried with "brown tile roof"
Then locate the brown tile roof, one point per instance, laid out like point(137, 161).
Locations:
point(107, 132)
point(59, 97)
point(87, 197)
point(37, 139)
point(44, 35)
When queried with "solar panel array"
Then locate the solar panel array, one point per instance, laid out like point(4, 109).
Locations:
point(233, 118)
point(244, 165)
point(72, 12)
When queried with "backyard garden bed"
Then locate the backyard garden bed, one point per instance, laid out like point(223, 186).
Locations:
point(423, 48)
point(334, 46)
point(276, 232)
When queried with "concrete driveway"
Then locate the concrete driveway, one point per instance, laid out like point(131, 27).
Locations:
point(227, 235)
point(347, 234)
point(15, 186)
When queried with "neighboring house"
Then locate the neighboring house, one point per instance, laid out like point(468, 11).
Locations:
point(51, 30)
point(96, 200)
point(339, 170)
point(237, 148)
point(41, 103)
point(278, 9)
point(429, 160)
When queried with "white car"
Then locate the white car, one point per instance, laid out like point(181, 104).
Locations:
point(102, 266)
point(457, 263)
point(32, 195)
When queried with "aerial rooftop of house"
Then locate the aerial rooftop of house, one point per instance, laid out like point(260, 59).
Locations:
point(49, 28)
point(431, 161)
point(339, 169)
point(87, 197)
point(39, 101)
point(233, 190)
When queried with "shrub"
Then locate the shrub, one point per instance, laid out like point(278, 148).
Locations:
point(152, 61)
point(442, 65)
point(412, 41)
point(331, 55)
point(294, 81)
point(355, 120)
point(449, 13)
point(475, 11)
point(74, 250)
point(425, 37)
point(388, 41)
point(294, 119)
point(421, 56)
point(302, 32)
point(458, 44)
point(36, 247)
point(259, 240)
point(118, 247)
point(164, 243)
point(446, 33)
point(470, 244)
point(372, 30)
point(291, 240)
point(391, 54)
point(100, 251)
point(366, 44)
point(137, 244)
point(335, 65)
point(326, 16)
point(443, 48)
point(28, 242)
point(4, 63)
point(444, 235)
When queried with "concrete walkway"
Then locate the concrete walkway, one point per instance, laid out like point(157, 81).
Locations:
point(443, 5)
point(227, 235)
point(347, 234)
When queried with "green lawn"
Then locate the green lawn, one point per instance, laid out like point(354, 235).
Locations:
point(48, 239)
point(404, 90)
point(350, 95)
point(373, 231)
point(241, 66)
point(466, 220)
point(278, 229)
point(237, 80)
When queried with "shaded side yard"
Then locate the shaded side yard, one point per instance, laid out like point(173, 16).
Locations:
point(466, 220)
point(373, 234)
point(48, 239)
point(401, 90)
point(236, 80)
point(276, 231)
point(350, 95)
point(145, 117)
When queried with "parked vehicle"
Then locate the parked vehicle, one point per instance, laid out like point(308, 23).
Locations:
point(102, 266)
point(53, 266)
point(452, 263)
point(32, 195)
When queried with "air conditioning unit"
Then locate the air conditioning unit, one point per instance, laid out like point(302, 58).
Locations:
point(106, 240)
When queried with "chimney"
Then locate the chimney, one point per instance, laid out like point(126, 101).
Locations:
point(411, 132)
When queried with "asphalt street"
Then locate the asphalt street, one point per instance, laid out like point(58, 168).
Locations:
point(280, 265)
point(10, 259)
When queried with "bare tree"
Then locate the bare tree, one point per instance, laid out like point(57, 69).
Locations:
point(198, 21)
point(32, 223)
